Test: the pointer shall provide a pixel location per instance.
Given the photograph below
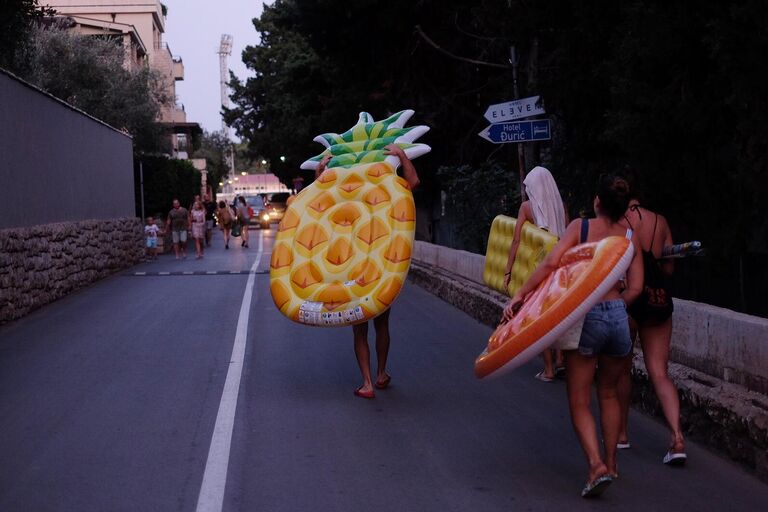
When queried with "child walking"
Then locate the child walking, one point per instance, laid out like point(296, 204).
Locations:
point(150, 233)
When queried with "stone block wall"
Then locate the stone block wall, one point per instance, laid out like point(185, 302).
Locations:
point(40, 264)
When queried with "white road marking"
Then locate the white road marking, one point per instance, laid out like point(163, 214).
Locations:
point(163, 273)
point(211, 498)
point(140, 273)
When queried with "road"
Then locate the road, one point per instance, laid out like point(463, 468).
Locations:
point(122, 396)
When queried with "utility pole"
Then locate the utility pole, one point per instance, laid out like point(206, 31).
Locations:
point(513, 61)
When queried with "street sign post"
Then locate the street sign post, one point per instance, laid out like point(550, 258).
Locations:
point(517, 109)
point(517, 131)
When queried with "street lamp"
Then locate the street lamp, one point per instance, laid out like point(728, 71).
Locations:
point(263, 162)
point(282, 159)
point(243, 173)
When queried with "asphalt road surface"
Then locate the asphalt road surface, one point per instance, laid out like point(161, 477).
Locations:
point(177, 385)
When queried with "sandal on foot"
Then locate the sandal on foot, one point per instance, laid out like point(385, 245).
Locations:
point(675, 458)
point(560, 372)
point(543, 378)
point(382, 384)
point(596, 487)
point(623, 446)
point(364, 394)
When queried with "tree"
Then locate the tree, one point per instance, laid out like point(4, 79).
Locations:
point(670, 92)
point(18, 17)
point(215, 148)
point(165, 179)
point(87, 72)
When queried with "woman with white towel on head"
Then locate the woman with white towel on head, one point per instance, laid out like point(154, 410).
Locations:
point(544, 209)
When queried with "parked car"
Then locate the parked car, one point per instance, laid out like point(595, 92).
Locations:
point(276, 205)
point(260, 215)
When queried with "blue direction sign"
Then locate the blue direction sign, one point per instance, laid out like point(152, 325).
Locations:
point(517, 131)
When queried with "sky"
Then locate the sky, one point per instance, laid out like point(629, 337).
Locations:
point(193, 32)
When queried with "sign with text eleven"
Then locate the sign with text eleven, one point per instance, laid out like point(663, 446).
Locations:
point(517, 109)
point(517, 131)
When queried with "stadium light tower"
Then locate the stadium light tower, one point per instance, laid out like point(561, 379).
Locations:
point(225, 50)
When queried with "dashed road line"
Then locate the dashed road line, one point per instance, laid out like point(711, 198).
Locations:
point(196, 273)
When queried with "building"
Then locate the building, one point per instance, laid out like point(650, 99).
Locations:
point(141, 25)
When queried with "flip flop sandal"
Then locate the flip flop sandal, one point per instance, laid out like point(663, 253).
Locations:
point(623, 446)
point(596, 487)
point(364, 394)
point(543, 378)
point(675, 459)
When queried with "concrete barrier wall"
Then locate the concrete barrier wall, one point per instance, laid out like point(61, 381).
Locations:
point(57, 164)
point(716, 341)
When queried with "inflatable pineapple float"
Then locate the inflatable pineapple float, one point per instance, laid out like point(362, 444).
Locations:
point(343, 248)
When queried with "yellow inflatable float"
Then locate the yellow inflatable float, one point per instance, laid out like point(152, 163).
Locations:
point(535, 244)
point(584, 275)
point(343, 248)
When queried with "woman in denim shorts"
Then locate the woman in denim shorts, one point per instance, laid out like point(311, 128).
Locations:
point(605, 341)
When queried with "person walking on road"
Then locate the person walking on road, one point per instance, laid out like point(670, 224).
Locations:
point(178, 223)
point(226, 218)
point(651, 317)
point(210, 211)
point(150, 232)
point(197, 221)
point(244, 218)
point(381, 322)
point(605, 342)
point(544, 209)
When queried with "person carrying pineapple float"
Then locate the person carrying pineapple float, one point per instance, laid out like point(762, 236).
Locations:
point(343, 249)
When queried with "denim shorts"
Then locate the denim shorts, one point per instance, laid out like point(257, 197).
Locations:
point(606, 330)
point(152, 243)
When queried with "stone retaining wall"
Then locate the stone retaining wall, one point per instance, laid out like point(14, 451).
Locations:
point(40, 264)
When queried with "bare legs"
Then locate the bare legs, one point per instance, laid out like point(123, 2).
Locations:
point(363, 353)
point(579, 377)
point(551, 364)
point(624, 387)
point(244, 234)
point(655, 340)
point(624, 392)
point(199, 247)
point(227, 232)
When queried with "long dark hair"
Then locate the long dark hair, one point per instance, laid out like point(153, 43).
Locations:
point(613, 193)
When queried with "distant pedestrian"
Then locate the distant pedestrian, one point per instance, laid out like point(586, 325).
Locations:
point(197, 221)
point(210, 211)
point(544, 209)
point(244, 218)
point(150, 233)
point(178, 224)
point(226, 218)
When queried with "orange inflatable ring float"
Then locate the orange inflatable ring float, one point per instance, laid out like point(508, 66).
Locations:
point(343, 248)
point(584, 275)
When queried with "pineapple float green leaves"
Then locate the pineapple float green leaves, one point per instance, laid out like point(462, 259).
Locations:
point(343, 248)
